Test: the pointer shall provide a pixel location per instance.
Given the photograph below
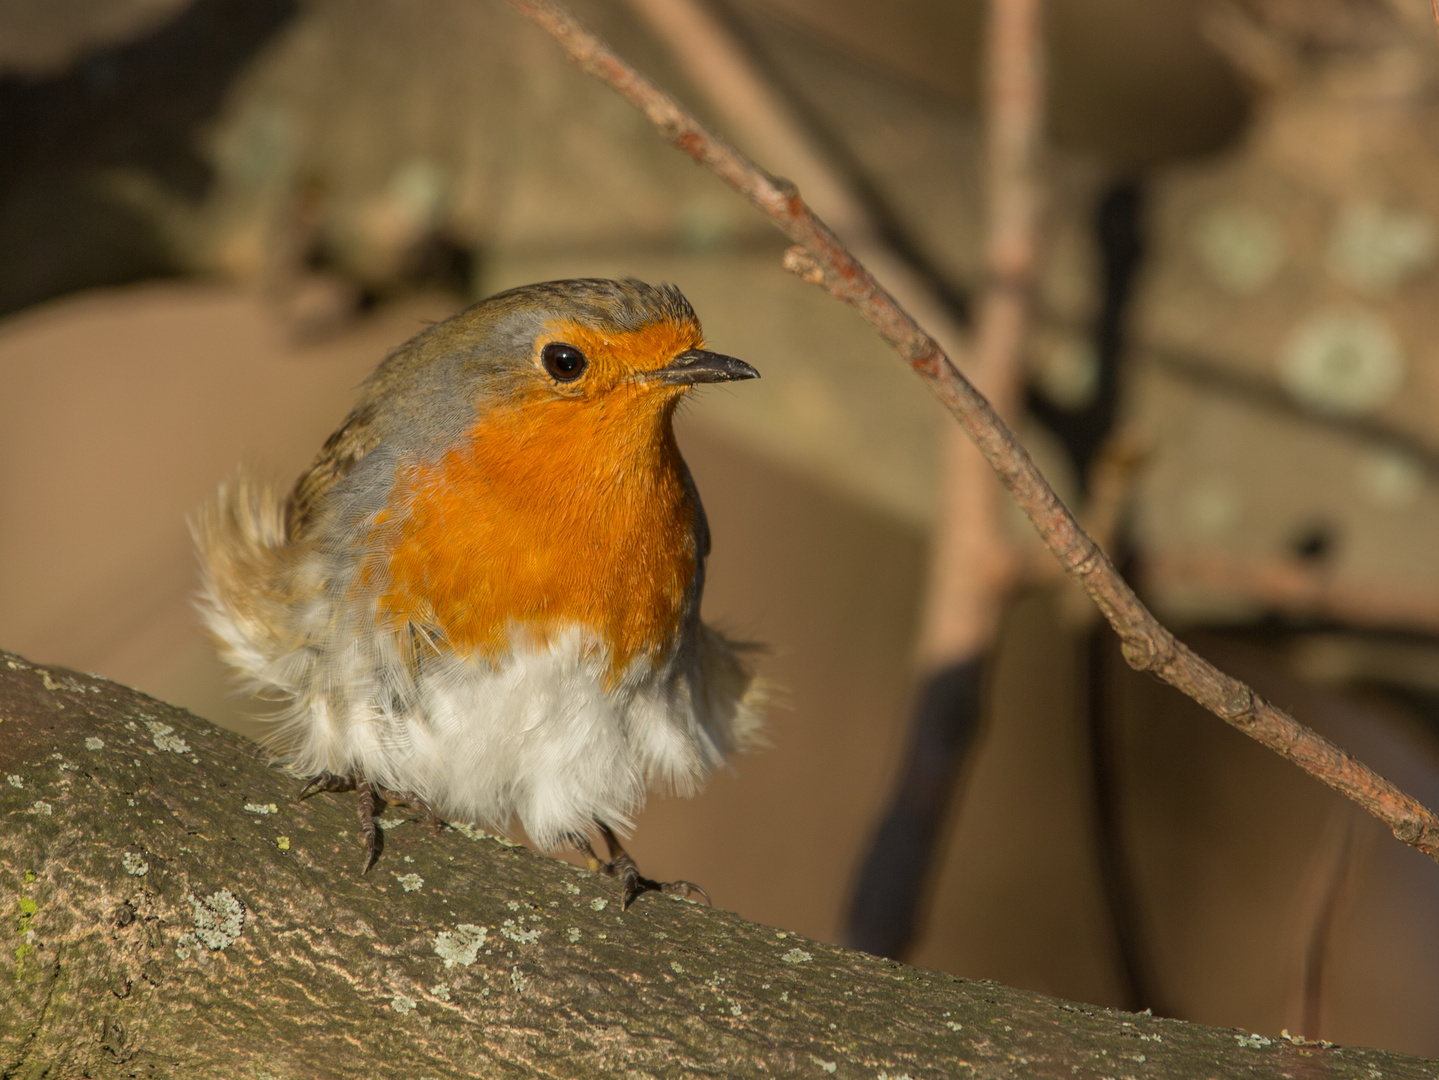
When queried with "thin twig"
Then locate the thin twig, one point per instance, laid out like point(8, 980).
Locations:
point(1013, 131)
point(821, 259)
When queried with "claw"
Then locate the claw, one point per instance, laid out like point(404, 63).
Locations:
point(686, 888)
point(622, 866)
point(326, 781)
point(413, 802)
point(369, 830)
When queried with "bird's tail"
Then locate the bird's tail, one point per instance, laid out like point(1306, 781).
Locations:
point(241, 541)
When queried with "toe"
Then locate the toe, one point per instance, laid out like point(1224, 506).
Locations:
point(686, 888)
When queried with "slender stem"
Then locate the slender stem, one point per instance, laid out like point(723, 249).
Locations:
point(821, 259)
point(975, 565)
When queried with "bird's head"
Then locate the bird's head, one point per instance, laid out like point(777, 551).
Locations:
point(556, 352)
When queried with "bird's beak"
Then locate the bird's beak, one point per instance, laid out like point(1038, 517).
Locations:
point(701, 366)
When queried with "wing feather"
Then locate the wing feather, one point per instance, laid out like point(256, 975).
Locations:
point(342, 451)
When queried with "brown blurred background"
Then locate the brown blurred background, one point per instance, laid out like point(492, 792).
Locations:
point(216, 216)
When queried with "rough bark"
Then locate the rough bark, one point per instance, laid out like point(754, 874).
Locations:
point(171, 911)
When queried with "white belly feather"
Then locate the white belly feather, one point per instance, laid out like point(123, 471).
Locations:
point(536, 738)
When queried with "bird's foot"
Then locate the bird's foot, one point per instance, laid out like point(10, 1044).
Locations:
point(372, 802)
point(621, 865)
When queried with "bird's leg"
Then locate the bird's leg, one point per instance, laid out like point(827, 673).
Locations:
point(622, 866)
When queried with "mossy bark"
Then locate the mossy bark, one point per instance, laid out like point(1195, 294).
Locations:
point(170, 910)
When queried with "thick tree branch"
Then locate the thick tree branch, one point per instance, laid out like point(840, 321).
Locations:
point(820, 258)
point(170, 911)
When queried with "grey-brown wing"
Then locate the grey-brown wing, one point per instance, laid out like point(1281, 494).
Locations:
point(356, 437)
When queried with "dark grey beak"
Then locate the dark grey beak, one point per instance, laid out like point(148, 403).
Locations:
point(701, 366)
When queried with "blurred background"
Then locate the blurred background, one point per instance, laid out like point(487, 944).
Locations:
point(216, 217)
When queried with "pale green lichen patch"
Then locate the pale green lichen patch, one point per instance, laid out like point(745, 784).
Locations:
point(164, 737)
point(1375, 248)
point(41, 807)
point(511, 930)
point(441, 991)
point(797, 956)
point(92, 743)
point(410, 882)
point(461, 945)
point(476, 833)
point(219, 919)
point(261, 808)
point(574, 934)
point(1242, 246)
point(828, 1066)
point(135, 865)
point(599, 903)
point(19, 784)
point(403, 1005)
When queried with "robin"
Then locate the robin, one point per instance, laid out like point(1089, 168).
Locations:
point(483, 596)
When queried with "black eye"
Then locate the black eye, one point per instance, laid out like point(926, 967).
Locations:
point(564, 362)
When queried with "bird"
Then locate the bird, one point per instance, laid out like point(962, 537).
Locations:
point(483, 596)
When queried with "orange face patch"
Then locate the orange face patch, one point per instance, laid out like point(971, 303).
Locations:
point(615, 358)
point(553, 512)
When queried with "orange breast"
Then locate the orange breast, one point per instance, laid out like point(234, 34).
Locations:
point(552, 514)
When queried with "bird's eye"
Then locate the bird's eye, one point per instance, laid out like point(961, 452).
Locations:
point(564, 362)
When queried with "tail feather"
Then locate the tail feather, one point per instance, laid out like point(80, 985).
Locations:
point(241, 541)
point(730, 692)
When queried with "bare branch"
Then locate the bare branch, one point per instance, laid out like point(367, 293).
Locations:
point(821, 258)
point(1297, 587)
point(975, 565)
